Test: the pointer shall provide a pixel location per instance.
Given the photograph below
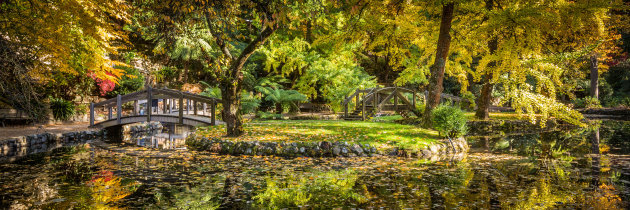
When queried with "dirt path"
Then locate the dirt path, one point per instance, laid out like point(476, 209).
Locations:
point(15, 131)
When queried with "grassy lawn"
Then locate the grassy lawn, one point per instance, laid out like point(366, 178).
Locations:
point(497, 116)
point(378, 134)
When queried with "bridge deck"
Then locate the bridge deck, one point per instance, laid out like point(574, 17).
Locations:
point(192, 120)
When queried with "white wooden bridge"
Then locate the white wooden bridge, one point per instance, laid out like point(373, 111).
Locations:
point(162, 105)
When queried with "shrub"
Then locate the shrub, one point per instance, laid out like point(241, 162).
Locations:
point(587, 102)
point(468, 102)
point(61, 109)
point(268, 116)
point(617, 101)
point(82, 109)
point(283, 98)
point(449, 121)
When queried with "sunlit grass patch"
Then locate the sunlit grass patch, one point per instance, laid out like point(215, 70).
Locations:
point(498, 116)
point(378, 134)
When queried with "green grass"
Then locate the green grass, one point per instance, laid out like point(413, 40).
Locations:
point(390, 118)
point(497, 116)
point(378, 134)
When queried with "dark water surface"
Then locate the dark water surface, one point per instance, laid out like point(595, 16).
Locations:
point(559, 169)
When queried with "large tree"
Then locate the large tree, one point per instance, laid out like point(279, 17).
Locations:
point(237, 29)
point(441, 55)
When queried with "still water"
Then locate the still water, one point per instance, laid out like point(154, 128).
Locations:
point(580, 168)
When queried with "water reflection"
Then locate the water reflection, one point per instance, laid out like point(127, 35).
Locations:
point(583, 168)
point(171, 136)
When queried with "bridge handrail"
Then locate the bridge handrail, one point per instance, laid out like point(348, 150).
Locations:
point(357, 91)
point(175, 93)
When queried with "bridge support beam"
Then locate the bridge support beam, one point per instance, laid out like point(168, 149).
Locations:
point(149, 103)
point(194, 107)
point(118, 108)
point(212, 109)
point(136, 107)
point(91, 114)
point(363, 112)
point(413, 103)
point(181, 108)
point(395, 100)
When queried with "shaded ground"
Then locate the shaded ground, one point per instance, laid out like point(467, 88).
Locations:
point(15, 131)
point(378, 134)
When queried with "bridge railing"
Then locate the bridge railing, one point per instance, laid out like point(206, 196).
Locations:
point(174, 103)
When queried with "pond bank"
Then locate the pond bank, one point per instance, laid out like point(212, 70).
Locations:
point(438, 150)
point(14, 148)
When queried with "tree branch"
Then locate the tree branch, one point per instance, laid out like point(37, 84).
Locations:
point(251, 48)
point(217, 36)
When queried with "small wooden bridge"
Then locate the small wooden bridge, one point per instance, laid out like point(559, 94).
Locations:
point(371, 101)
point(162, 105)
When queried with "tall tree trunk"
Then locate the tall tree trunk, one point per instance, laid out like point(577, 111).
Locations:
point(594, 76)
point(231, 95)
point(437, 69)
point(483, 103)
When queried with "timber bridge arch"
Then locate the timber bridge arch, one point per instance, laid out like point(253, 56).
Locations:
point(175, 107)
point(368, 102)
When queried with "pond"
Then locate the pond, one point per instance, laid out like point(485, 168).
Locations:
point(554, 169)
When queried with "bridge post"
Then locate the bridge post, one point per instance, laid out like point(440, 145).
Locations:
point(149, 103)
point(374, 99)
point(91, 114)
point(345, 109)
point(205, 107)
point(414, 99)
point(109, 115)
point(181, 108)
point(363, 112)
point(395, 100)
point(194, 107)
point(118, 108)
point(135, 107)
point(357, 99)
point(212, 109)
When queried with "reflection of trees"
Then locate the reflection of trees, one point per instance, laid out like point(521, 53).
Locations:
point(315, 190)
point(202, 195)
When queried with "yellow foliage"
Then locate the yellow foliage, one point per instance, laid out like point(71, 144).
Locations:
point(57, 29)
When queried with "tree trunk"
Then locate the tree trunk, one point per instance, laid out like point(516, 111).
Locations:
point(231, 95)
point(437, 69)
point(483, 103)
point(594, 76)
point(278, 108)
